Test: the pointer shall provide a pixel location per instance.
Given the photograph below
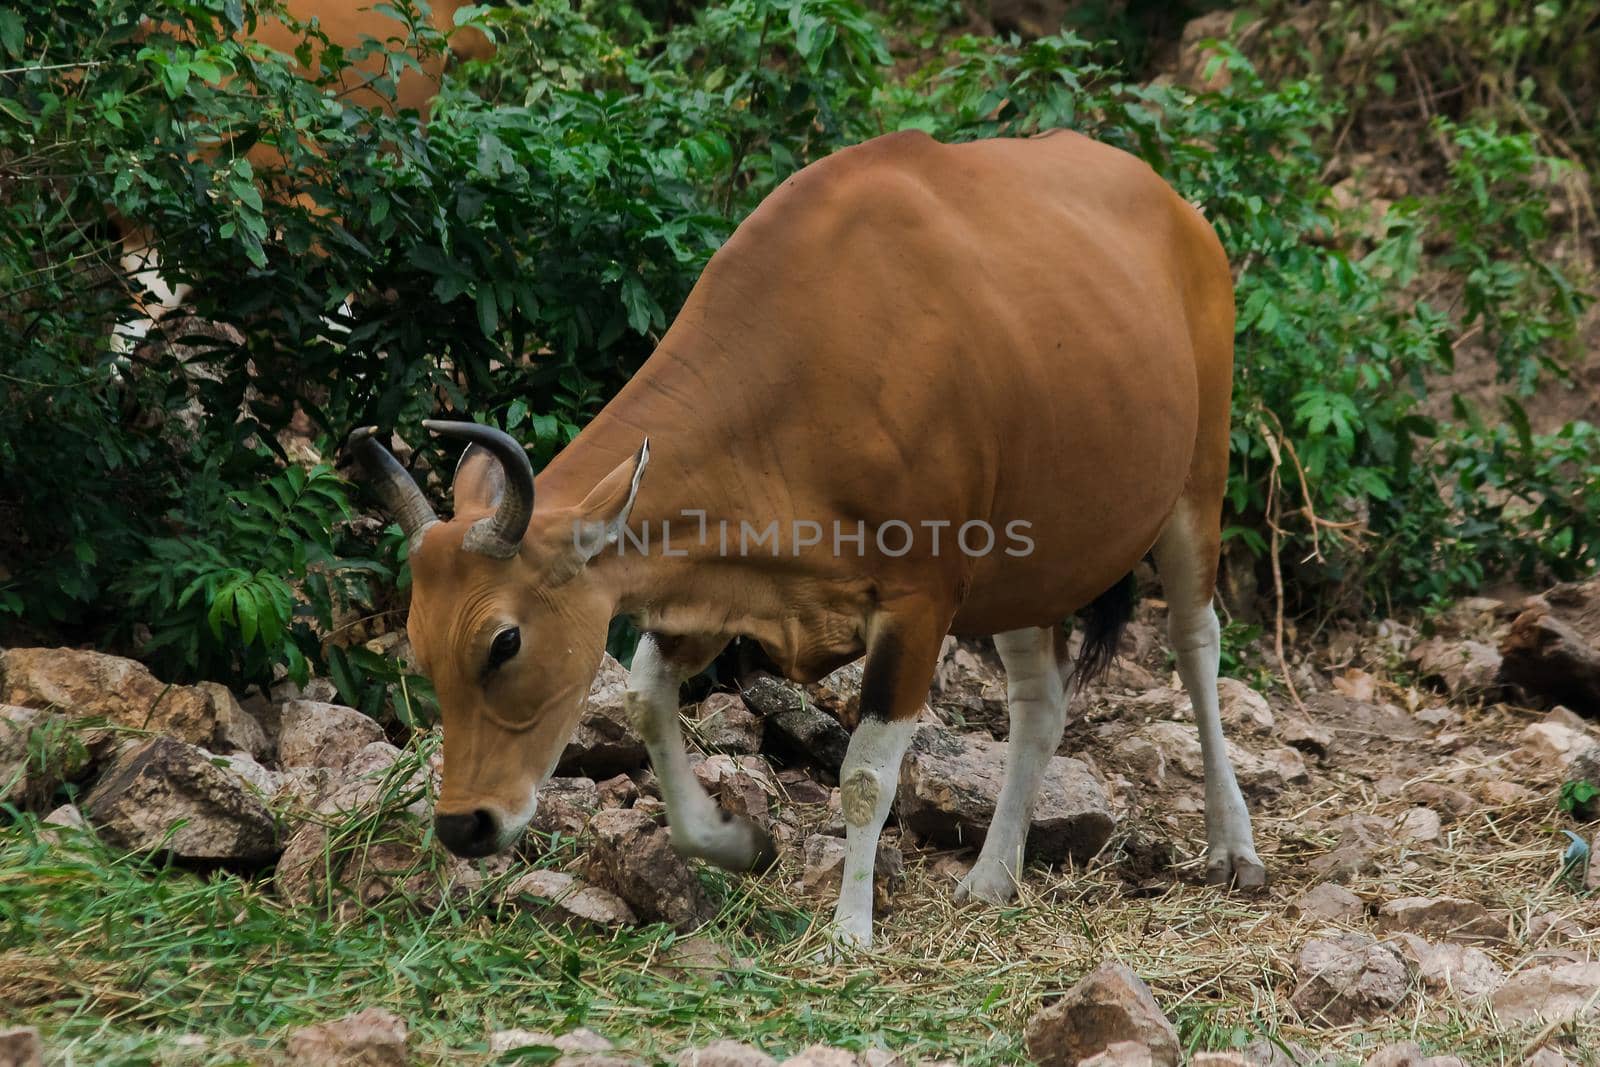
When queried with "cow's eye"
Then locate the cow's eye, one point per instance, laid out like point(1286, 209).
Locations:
point(505, 645)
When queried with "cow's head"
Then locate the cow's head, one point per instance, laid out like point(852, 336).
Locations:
point(505, 620)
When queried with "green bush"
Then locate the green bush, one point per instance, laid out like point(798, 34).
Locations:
point(520, 260)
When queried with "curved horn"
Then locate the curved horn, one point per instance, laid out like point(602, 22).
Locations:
point(399, 494)
point(501, 533)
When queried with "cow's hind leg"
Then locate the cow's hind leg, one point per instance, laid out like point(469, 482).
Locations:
point(902, 650)
point(1186, 557)
point(698, 826)
point(1037, 694)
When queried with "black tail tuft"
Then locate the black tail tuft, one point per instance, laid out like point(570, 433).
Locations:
point(1103, 622)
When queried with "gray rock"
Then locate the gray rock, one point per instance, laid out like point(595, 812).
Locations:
point(724, 723)
point(1557, 993)
point(725, 1054)
point(794, 725)
point(1353, 977)
point(822, 868)
point(565, 806)
point(372, 1038)
point(39, 753)
point(564, 898)
point(20, 1047)
point(1464, 669)
point(314, 734)
point(169, 796)
point(1553, 660)
point(1328, 901)
point(1110, 1005)
point(1451, 918)
point(632, 856)
point(605, 742)
point(949, 784)
point(237, 730)
point(80, 685)
point(1446, 967)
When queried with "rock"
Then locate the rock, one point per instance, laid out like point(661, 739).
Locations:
point(1552, 927)
point(949, 784)
point(619, 791)
point(632, 856)
point(1561, 992)
point(1120, 1054)
point(1300, 732)
point(1550, 659)
point(1243, 709)
point(81, 685)
point(565, 806)
point(67, 817)
point(314, 734)
point(1466, 970)
point(1447, 917)
point(1449, 802)
point(1351, 978)
point(1407, 1054)
point(1330, 902)
point(1550, 748)
point(1418, 826)
point(798, 787)
point(1166, 756)
point(1219, 1059)
point(39, 753)
point(692, 959)
point(167, 795)
point(1585, 768)
point(742, 785)
point(564, 898)
point(1462, 668)
point(1111, 1004)
point(839, 693)
point(1591, 880)
point(20, 1047)
point(243, 766)
point(822, 870)
point(503, 1041)
point(371, 1038)
point(794, 725)
point(1361, 839)
point(1545, 1057)
point(236, 730)
point(723, 723)
point(725, 1054)
point(368, 846)
point(605, 742)
point(1498, 793)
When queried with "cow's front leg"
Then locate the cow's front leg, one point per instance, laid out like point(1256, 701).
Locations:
point(901, 654)
point(698, 826)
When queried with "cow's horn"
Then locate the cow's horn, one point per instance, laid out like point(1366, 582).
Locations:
point(500, 534)
point(399, 494)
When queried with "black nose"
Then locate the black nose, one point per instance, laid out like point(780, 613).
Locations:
point(471, 835)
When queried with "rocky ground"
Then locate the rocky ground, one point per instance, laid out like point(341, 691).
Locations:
point(1406, 797)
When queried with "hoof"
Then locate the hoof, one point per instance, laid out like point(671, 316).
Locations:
point(1236, 870)
point(735, 844)
point(992, 885)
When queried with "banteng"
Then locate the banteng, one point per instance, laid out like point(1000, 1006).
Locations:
point(923, 389)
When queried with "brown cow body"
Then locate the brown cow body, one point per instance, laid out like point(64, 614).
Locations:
point(1010, 331)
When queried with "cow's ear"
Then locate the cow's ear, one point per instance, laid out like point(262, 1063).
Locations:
point(479, 482)
point(604, 512)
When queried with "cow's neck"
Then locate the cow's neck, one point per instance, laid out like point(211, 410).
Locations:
point(702, 443)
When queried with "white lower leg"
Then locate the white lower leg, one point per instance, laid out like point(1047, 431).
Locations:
point(1231, 852)
point(698, 826)
point(867, 783)
point(1037, 699)
point(141, 264)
